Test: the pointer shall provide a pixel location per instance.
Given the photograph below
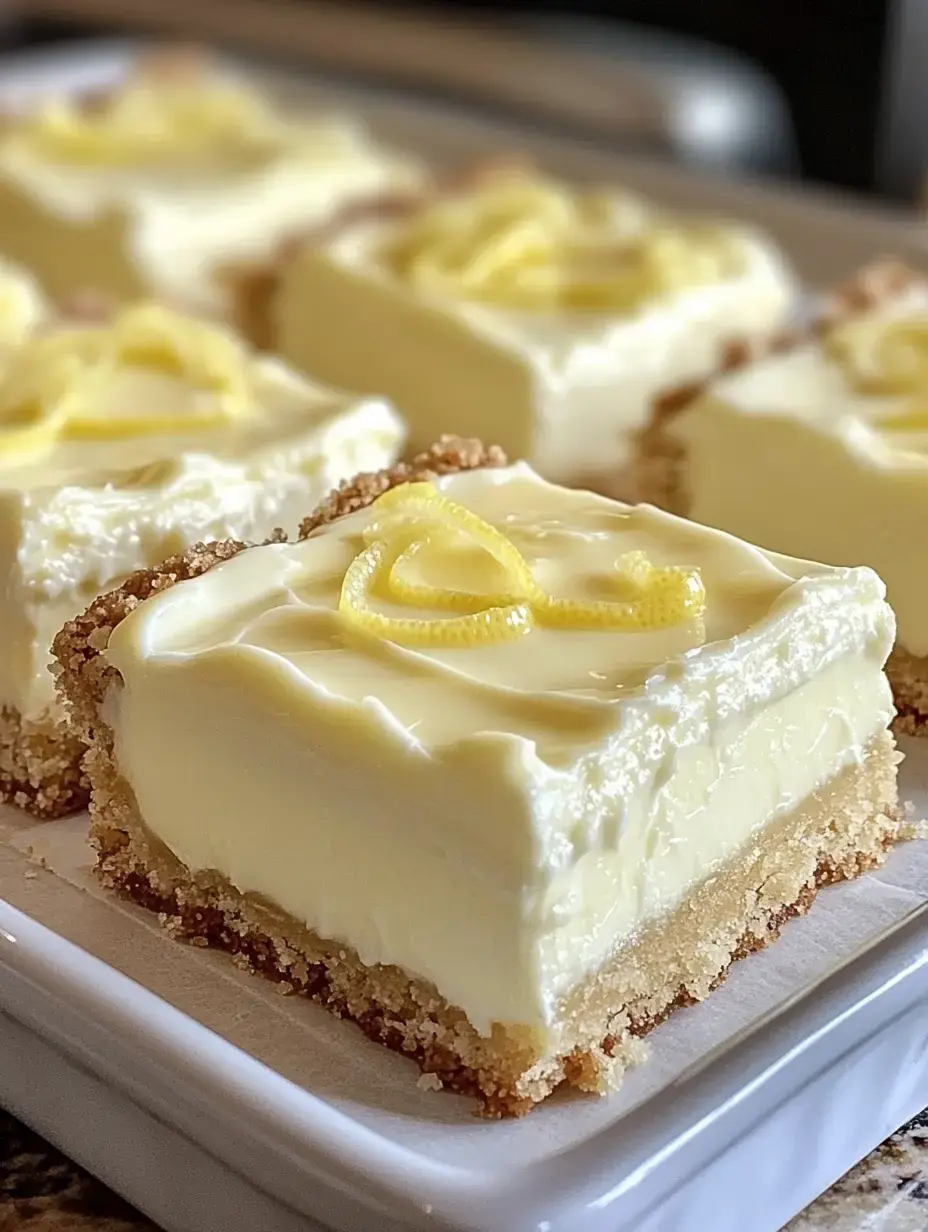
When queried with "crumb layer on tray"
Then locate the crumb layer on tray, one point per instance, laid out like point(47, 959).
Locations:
point(508, 845)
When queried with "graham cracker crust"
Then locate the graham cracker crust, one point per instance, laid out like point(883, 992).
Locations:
point(908, 675)
point(40, 765)
point(838, 832)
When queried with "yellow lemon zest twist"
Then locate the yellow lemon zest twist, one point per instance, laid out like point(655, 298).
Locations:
point(54, 385)
point(525, 244)
point(416, 515)
point(887, 357)
point(151, 121)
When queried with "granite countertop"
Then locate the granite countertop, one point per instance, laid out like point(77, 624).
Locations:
point(42, 1191)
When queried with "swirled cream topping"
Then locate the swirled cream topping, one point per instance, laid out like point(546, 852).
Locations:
point(887, 356)
point(493, 814)
point(75, 383)
point(153, 121)
point(522, 243)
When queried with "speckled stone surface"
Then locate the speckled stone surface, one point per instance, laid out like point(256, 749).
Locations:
point(41, 1191)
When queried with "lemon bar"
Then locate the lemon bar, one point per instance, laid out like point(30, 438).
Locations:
point(503, 771)
point(514, 308)
point(124, 441)
point(822, 452)
point(158, 185)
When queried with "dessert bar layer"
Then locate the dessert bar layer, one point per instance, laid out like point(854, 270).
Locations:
point(821, 452)
point(551, 319)
point(159, 184)
point(503, 771)
point(124, 441)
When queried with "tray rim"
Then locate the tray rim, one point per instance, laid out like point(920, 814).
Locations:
point(83, 1007)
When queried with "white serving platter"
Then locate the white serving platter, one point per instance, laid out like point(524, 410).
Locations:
point(215, 1105)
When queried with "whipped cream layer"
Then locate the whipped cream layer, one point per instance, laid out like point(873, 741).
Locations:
point(497, 818)
point(792, 453)
point(565, 389)
point(79, 513)
point(167, 216)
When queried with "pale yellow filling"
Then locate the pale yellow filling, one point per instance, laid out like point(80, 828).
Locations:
point(823, 453)
point(495, 816)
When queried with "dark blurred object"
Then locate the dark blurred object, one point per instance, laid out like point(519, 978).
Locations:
point(724, 81)
point(644, 90)
point(834, 61)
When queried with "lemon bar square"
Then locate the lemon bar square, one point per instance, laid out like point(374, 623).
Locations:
point(121, 442)
point(160, 184)
point(503, 772)
point(822, 452)
point(550, 319)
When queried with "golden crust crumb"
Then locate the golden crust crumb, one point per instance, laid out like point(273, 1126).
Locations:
point(449, 455)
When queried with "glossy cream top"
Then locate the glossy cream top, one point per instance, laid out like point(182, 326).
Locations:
point(496, 817)
point(823, 453)
point(206, 170)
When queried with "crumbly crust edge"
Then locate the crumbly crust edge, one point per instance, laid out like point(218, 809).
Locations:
point(40, 765)
point(908, 675)
point(508, 1072)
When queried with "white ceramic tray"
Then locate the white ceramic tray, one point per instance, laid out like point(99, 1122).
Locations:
point(216, 1106)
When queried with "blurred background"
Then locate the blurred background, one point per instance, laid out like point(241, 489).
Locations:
point(830, 92)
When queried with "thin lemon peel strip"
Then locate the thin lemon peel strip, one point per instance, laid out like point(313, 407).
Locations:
point(524, 244)
point(53, 386)
point(491, 624)
point(413, 515)
point(889, 358)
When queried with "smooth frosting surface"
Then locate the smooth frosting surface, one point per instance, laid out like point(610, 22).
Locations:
point(494, 817)
point(531, 325)
point(823, 453)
